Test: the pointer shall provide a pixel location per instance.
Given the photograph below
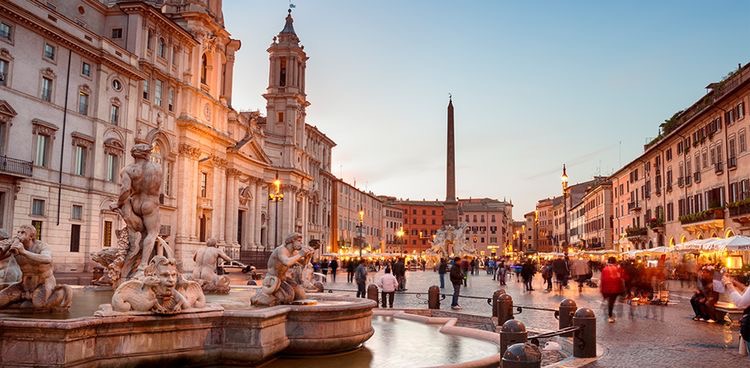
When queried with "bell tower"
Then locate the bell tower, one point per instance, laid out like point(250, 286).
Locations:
point(285, 96)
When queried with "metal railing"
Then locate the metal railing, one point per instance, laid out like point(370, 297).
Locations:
point(16, 166)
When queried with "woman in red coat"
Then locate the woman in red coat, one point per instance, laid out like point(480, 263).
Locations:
point(611, 285)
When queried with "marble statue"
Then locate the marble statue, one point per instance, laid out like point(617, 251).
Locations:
point(37, 290)
point(449, 241)
point(9, 270)
point(304, 273)
point(161, 290)
point(204, 273)
point(138, 205)
point(279, 285)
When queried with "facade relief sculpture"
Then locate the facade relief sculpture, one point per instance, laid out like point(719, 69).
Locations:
point(37, 290)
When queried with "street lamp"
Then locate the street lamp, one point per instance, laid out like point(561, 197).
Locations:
point(277, 196)
point(359, 227)
point(564, 180)
point(400, 236)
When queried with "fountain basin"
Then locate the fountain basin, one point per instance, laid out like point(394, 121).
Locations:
point(204, 337)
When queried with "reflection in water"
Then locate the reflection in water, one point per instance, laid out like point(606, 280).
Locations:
point(400, 343)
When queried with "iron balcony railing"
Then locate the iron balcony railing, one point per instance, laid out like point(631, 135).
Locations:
point(15, 166)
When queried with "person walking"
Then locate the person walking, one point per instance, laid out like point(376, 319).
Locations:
point(442, 269)
point(527, 273)
point(399, 270)
point(334, 265)
point(612, 285)
point(324, 269)
point(457, 277)
point(360, 276)
point(465, 270)
point(350, 267)
point(388, 285)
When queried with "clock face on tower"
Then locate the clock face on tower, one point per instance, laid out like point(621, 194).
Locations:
point(207, 112)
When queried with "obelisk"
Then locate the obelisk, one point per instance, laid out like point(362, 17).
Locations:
point(451, 205)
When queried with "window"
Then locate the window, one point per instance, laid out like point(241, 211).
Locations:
point(86, 69)
point(116, 32)
point(162, 48)
point(669, 154)
point(204, 68)
point(83, 103)
point(117, 85)
point(167, 186)
point(49, 51)
point(157, 92)
point(107, 233)
point(80, 160)
point(204, 184)
point(4, 67)
point(170, 99)
point(37, 207)
point(47, 89)
point(6, 31)
point(145, 89)
point(42, 150)
point(150, 40)
point(75, 237)
point(175, 56)
point(114, 114)
point(76, 212)
point(38, 226)
point(112, 167)
point(742, 140)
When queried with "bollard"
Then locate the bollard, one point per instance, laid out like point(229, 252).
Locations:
point(496, 295)
point(512, 332)
point(372, 293)
point(584, 342)
point(433, 297)
point(522, 356)
point(567, 308)
point(504, 309)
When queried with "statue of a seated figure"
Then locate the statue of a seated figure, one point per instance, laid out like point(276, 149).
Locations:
point(204, 273)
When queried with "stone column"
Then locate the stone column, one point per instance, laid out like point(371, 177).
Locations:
point(260, 196)
point(188, 170)
point(273, 221)
point(219, 196)
point(230, 205)
point(249, 224)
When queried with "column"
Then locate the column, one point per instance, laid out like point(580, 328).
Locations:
point(249, 237)
point(230, 205)
point(218, 199)
point(273, 221)
point(260, 196)
point(291, 71)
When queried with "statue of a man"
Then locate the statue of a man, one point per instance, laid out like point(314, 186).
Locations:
point(38, 288)
point(206, 259)
point(9, 271)
point(278, 286)
point(138, 202)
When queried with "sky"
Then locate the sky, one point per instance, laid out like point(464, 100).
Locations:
point(535, 84)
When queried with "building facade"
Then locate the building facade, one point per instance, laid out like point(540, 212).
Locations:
point(357, 220)
point(422, 220)
point(489, 225)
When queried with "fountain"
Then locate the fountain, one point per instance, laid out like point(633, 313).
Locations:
point(155, 315)
point(449, 242)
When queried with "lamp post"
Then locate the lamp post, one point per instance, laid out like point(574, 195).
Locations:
point(359, 228)
point(277, 196)
point(400, 236)
point(564, 180)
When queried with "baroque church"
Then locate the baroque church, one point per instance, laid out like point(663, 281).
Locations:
point(81, 82)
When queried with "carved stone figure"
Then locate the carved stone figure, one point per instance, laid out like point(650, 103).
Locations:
point(204, 273)
point(38, 289)
point(9, 270)
point(138, 205)
point(161, 290)
point(303, 272)
point(279, 286)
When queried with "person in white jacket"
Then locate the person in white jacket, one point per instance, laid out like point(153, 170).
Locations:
point(740, 301)
point(387, 284)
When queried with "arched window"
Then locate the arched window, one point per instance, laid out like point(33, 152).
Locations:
point(204, 68)
point(162, 50)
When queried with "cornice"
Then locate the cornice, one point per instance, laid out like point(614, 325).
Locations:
point(137, 7)
point(189, 151)
point(198, 126)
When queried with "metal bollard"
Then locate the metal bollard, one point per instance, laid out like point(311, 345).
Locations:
point(512, 332)
point(522, 356)
point(584, 342)
point(496, 295)
point(372, 293)
point(567, 308)
point(433, 297)
point(504, 309)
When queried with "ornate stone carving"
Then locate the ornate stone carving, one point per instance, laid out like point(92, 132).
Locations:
point(246, 195)
point(43, 127)
point(5, 54)
point(219, 161)
point(85, 89)
point(189, 151)
point(79, 139)
point(113, 146)
point(38, 289)
point(49, 73)
point(206, 259)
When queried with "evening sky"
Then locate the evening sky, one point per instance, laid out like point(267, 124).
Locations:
point(535, 84)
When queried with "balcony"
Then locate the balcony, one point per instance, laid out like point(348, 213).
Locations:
point(708, 215)
point(634, 206)
point(656, 224)
point(636, 234)
point(697, 177)
point(719, 167)
point(732, 163)
point(205, 203)
point(15, 167)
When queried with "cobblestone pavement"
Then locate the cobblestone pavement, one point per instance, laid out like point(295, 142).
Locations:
point(643, 336)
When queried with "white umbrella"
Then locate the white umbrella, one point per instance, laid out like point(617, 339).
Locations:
point(657, 250)
point(694, 244)
point(737, 242)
